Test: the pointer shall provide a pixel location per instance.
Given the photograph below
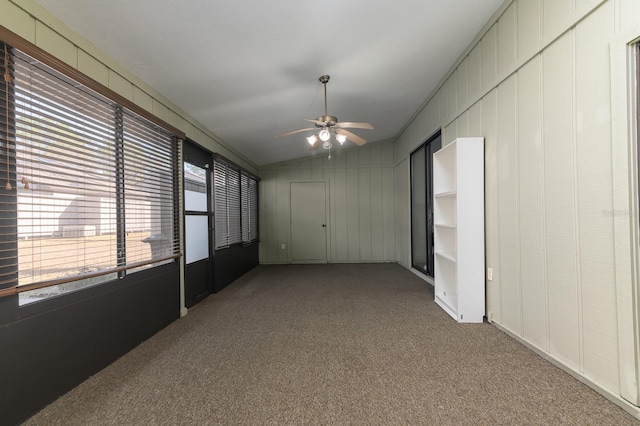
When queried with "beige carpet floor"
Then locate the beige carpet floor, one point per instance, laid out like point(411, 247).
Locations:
point(329, 345)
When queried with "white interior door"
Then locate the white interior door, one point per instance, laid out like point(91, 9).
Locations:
point(308, 222)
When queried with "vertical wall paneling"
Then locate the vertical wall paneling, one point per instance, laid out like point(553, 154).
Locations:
point(492, 212)
point(377, 215)
point(593, 143)
point(560, 212)
point(625, 198)
point(489, 57)
point(283, 215)
point(268, 220)
point(340, 208)
point(508, 206)
point(629, 13)
point(16, 20)
point(474, 126)
point(452, 94)
point(462, 125)
point(88, 65)
point(364, 215)
point(142, 99)
point(540, 85)
point(584, 6)
point(530, 199)
point(402, 213)
point(389, 202)
point(120, 85)
point(160, 110)
point(441, 101)
point(54, 43)
point(556, 15)
point(529, 27)
point(361, 216)
point(463, 82)
point(353, 215)
point(450, 132)
point(507, 40)
point(474, 72)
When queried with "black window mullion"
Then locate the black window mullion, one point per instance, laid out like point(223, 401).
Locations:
point(120, 182)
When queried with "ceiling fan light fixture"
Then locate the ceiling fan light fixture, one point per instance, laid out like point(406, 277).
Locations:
point(324, 135)
point(327, 125)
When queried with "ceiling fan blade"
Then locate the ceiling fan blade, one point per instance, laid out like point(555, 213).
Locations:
point(352, 137)
point(353, 125)
point(317, 122)
point(295, 131)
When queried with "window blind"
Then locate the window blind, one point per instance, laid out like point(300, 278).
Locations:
point(226, 204)
point(150, 181)
point(249, 209)
point(221, 228)
point(92, 184)
point(235, 205)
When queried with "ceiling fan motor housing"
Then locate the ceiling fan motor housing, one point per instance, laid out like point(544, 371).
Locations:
point(328, 120)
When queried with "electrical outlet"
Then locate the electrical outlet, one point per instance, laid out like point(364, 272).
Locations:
point(489, 274)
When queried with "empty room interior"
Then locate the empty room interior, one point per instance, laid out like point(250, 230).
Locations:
point(418, 212)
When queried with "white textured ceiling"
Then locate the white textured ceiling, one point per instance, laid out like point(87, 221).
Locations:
point(248, 70)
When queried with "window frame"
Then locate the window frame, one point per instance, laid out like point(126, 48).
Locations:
point(242, 175)
point(69, 73)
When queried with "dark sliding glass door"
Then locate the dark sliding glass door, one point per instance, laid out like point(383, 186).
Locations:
point(422, 204)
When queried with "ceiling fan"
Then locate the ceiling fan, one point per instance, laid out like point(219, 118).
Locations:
point(327, 125)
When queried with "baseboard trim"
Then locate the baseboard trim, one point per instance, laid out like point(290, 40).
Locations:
point(420, 274)
point(616, 399)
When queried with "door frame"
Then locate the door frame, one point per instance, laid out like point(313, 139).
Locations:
point(327, 221)
point(429, 228)
point(200, 157)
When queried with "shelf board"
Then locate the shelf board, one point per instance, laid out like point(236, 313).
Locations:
point(446, 194)
point(446, 225)
point(449, 256)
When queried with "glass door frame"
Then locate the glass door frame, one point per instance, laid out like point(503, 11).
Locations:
point(198, 274)
point(431, 145)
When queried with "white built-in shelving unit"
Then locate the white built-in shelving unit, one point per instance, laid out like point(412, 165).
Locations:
point(458, 209)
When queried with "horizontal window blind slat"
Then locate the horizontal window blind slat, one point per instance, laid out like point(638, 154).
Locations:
point(78, 210)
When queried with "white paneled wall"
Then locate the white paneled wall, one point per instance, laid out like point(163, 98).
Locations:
point(537, 85)
point(362, 204)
